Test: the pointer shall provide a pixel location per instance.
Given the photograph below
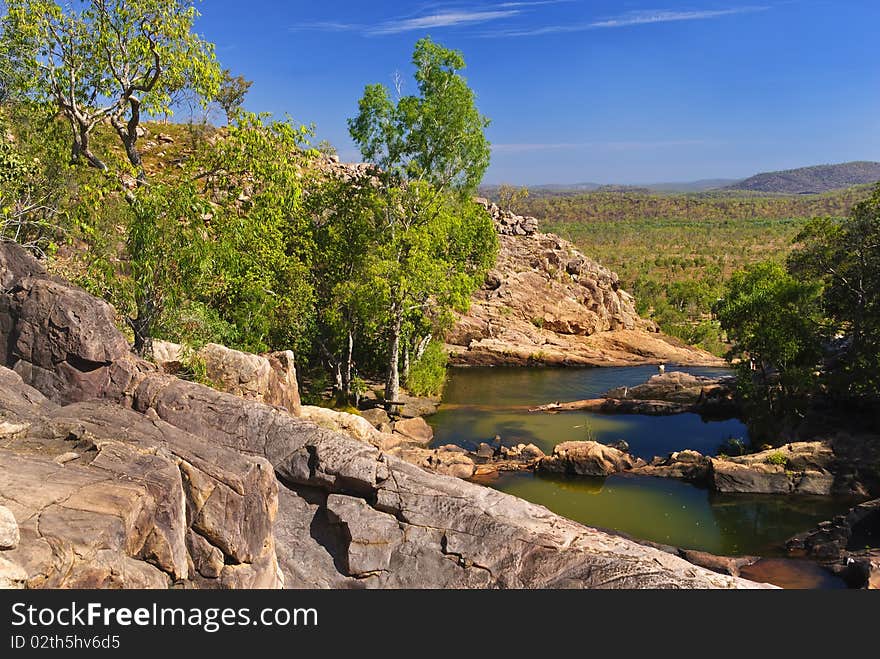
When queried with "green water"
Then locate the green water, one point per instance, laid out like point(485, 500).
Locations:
point(481, 403)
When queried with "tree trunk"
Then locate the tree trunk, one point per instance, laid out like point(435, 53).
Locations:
point(348, 364)
point(405, 362)
point(80, 148)
point(392, 383)
point(128, 134)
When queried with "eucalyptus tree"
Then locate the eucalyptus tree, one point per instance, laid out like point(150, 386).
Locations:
point(107, 61)
point(433, 245)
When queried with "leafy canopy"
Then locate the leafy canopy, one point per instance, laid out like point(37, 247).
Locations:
point(436, 136)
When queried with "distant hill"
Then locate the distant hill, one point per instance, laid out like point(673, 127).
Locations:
point(812, 180)
point(579, 188)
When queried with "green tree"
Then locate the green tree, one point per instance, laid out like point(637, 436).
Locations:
point(106, 60)
point(436, 136)
point(844, 255)
point(510, 197)
point(230, 96)
point(263, 242)
point(432, 250)
point(775, 325)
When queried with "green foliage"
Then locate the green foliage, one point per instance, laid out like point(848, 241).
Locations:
point(844, 257)
point(777, 459)
point(436, 136)
point(432, 248)
point(427, 375)
point(106, 60)
point(169, 256)
point(511, 197)
point(775, 325)
point(32, 181)
point(734, 446)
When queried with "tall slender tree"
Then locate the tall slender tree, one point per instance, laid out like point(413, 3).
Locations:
point(430, 148)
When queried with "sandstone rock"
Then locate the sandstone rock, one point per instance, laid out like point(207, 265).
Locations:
point(371, 536)
point(798, 468)
point(446, 460)
point(842, 536)
point(377, 417)
point(685, 465)
point(720, 564)
point(9, 535)
point(64, 458)
point(351, 424)
point(585, 459)
point(415, 430)
point(119, 515)
point(168, 356)
point(546, 303)
point(269, 379)
point(57, 337)
point(12, 576)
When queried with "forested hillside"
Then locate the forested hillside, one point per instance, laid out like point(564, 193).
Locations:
point(812, 180)
point(674, 252)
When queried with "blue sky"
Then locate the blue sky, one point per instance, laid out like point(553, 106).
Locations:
point(580, 90)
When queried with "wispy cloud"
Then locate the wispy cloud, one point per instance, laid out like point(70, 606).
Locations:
point(603, 146)
point(441, 19)
point(647, 17)
point(441, 15)
point(450, 15)
point(629, 19)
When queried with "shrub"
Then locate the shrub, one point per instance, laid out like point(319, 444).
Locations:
point(427, 376)
point(777, 459)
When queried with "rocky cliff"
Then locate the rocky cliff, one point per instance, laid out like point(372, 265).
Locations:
point(546, 303)
point(115, 474)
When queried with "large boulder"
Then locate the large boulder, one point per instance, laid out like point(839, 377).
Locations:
point(797, 468)
point(415, 430)
point(57, 337)
point(119, 512)
point(586, 459)
point(267, 378)
point(684, 465)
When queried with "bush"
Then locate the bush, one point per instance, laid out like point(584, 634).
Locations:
point(427, 376)
point(777, 459)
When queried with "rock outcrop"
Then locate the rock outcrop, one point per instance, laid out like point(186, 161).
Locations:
point(119, 475)
point(586, 459)
point(547, 303)
point(663, 395)
point(798, 468)
point(848, 545)
point(267, 378)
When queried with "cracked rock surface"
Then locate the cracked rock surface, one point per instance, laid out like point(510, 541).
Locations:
point(118, 475)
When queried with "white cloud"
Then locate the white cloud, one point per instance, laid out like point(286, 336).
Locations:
point(643, 17)
point(648, 17)
point(442, 19)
